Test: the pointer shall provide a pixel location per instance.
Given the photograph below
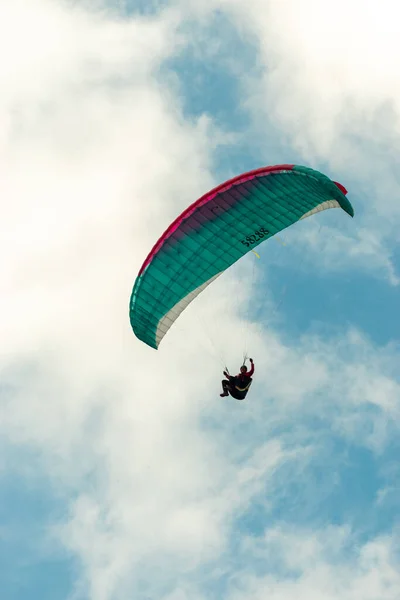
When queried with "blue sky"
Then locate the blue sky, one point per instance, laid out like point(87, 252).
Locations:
point(123, 473)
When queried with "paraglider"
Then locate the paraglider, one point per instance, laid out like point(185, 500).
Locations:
point(238, 386)
point(216, 231)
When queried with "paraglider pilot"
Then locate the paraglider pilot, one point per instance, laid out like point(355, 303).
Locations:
point(238, 386)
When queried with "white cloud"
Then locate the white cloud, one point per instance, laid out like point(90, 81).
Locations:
point(336, 244)
point(319, 565)
point(97, 158)
point(320, 63)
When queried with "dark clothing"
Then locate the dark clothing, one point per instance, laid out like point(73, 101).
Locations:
point(242, 381)
point(229, 388)
point(238, 386)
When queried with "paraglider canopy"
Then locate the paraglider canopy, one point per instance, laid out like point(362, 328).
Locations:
point(216, 231)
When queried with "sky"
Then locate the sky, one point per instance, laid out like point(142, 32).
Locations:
point(123, 473)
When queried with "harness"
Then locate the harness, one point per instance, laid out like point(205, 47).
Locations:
point(246, 388)
point(240, 393)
